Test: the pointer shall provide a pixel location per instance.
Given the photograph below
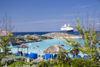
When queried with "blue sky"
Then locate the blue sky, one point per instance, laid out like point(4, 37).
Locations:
point(49, 15)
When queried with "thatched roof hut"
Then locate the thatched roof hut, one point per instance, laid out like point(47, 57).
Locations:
point(53, 49)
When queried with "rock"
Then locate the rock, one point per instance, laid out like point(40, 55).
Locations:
point(61, 36)
point(3, 33)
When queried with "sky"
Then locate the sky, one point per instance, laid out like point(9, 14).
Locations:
point(50, 15)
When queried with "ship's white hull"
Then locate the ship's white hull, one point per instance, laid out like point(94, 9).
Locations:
point(67, 30)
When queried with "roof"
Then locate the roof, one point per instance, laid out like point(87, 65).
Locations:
point(53, 49)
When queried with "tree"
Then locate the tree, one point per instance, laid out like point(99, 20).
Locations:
point(89, 42)
point(4, 43)
point(73, 44)
point(62, 57)
point(6, 27)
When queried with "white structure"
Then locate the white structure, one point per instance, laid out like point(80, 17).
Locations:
point(67, 28)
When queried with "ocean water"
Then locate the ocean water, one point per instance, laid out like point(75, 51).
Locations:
point(40, 33)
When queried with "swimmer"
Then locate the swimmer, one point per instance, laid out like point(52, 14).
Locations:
point(37, 46)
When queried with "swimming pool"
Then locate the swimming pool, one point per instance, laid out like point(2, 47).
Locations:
point(39, 47)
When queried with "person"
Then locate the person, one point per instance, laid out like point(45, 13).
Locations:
point(38, 55)
point(37, 46)
point(20, 53)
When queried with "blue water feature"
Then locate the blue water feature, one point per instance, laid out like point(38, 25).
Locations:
point(42, 46)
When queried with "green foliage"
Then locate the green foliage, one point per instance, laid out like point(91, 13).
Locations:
point(82, 63)
point(48, 63)
point(10, 59)
point(77, 62)
point(13, 39)
point(43, 64)
point(1, 64)
point(4, 43)
point(77, 20)
point(89, 44)
point(73, 44)
point(17, 64)
point(45, 37)
point(90, 41)
point(1, 56)
point(28, 37)
point(61, 57)
point(19, 38)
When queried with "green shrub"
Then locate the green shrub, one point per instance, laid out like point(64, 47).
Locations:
point(0, 64)
point(43, 64)
point(10, 59)
point(61, 57)
point(1, 56)
point(17, 64)
point(77, 62)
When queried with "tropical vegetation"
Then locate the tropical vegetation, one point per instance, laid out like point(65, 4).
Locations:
point(89, 47)
point(90, 43)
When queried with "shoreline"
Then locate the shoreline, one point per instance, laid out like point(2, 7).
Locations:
point(72, 37)
point(62, 36)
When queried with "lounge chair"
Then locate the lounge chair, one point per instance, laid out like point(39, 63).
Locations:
point(32, 56)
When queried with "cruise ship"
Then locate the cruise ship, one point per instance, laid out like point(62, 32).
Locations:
point(67, 28)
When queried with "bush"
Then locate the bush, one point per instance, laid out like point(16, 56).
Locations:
point(80, 63)
point(0, 64)
point(17, 64)
point(10, 59)
point(77, 62)
point(1, 55)
point(43, 64)
point(45, 37)
point(62, 57)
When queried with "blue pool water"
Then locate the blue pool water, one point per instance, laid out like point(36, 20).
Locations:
point(43, 45)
